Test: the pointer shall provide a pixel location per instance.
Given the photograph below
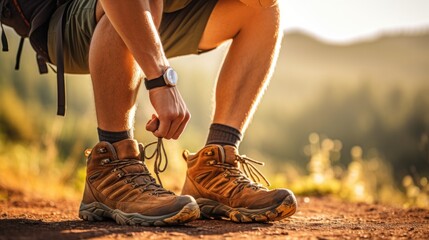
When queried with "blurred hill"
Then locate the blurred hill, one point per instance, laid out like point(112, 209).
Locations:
point(388, 60)
point(374, 94)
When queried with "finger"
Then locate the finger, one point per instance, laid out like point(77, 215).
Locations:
point(175, 126)
point(153, 124)
point(182, 126)
point(164, 127)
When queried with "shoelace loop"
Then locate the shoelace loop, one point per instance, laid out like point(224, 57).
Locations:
point(250, 170)
point(159, 154)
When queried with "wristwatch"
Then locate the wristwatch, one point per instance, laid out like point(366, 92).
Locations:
point(169, 78)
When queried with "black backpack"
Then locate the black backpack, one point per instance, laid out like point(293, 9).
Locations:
point(30, 18)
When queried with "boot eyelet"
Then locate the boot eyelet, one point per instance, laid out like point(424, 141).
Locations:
point(119, 175)
point(210, 153)
point(225, 175)
point(105, 161)
point(102, 150)
point(114, 170)
point(211, 162)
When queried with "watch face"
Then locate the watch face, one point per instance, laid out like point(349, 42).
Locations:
point(171, 77)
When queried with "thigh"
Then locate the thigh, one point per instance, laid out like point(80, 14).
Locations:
point(225, 22)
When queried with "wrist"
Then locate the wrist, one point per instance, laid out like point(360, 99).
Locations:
point(168, 78)
point(155, 72)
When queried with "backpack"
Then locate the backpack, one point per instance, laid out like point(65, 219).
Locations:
point(30, 19)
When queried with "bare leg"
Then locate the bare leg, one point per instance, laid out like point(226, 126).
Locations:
point(242, 81)
point(116, 77)
point(250, 60)
point(115, 74)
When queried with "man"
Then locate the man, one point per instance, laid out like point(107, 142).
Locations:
point(119, 41)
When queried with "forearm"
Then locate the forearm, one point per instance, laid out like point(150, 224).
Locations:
point(134, 21)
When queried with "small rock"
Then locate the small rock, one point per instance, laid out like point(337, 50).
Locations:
point(104, 231)
point(371, 209)
point(321, 238)
point(176, 234)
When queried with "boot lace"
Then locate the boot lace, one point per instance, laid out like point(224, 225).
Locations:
point(159, 154)
point(250, 170)
point(149, 183)
point(247, 176)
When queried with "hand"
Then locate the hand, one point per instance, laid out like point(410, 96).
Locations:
point(172, 113)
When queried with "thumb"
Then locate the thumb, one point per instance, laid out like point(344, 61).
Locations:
point(153, 124)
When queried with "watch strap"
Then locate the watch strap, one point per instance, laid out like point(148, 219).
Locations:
point(154, 83)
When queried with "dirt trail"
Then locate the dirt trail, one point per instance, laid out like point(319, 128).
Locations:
point(23, 217)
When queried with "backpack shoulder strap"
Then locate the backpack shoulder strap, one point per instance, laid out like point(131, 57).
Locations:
point(5, 45)
point(61, 92)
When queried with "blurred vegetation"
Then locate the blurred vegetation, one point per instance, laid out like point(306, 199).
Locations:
point(349, 120)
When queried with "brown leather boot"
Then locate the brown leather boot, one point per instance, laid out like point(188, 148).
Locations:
point(222, 190)
point(119, 186)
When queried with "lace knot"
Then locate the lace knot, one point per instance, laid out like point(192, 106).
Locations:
point(250, 170)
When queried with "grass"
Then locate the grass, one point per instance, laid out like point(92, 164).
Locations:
point(37, 170)
point(364, 179)
point(30, 170)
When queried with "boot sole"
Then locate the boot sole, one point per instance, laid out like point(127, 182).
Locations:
point(215, 210)
point(97, 211)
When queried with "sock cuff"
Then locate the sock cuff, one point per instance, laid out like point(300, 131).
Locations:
point(112, 137)
point(224, 135)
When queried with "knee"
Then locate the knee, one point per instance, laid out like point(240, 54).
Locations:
point(99, 11)
point(267, 3)
point(260, 3)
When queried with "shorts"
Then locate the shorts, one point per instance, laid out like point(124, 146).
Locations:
point(182, 26)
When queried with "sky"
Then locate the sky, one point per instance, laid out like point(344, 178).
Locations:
point(343, 21)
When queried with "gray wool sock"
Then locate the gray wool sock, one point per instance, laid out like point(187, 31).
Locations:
point(224, 135)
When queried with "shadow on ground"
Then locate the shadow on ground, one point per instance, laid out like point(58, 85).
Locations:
point(77, 229)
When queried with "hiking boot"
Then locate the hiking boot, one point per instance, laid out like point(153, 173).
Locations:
point(119, 186)
point(218, 178)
